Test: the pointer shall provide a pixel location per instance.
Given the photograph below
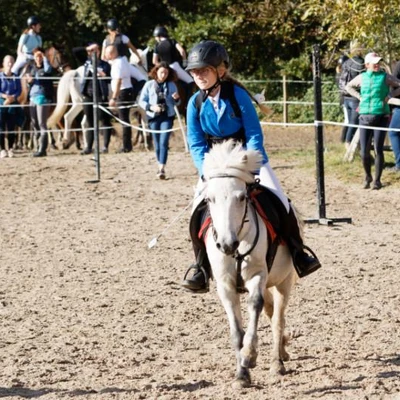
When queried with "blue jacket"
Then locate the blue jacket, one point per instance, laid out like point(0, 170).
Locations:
point(149, 97)
point(10, 85)
point(225, 124)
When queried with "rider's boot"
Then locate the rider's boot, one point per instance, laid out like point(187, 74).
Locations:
point(43, 142)
point(198, 275)
point(303, 262)
point(198, 282)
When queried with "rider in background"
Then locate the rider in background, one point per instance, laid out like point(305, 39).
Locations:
point(28, 42)
point(214, 119)
point(119, 40)
point(171, 52)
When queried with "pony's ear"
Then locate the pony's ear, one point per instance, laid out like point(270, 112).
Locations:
point(244, 159)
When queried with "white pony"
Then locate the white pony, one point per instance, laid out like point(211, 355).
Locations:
point(68, 91)
point(237, 246)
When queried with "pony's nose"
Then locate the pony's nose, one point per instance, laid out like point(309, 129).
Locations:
point(226, 248)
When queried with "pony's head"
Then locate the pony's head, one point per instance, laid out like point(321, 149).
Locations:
point(228, 168)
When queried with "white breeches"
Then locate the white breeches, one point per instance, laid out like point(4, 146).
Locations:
point(20, 62)
point(137, 73)
point(181, 73)
point(268, 179)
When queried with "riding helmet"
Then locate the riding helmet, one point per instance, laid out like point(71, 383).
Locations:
point(207, 53)
point(112, 24)
point(32, 20)
point(160, 31)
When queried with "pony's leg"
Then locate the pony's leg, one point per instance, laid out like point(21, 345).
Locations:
point(255, 306)
point(269, 310)
point(84, 126)
point(280, 299)
point(231, 302)
point(68, 118)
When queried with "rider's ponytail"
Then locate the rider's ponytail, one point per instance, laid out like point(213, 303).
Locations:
point(256, 98)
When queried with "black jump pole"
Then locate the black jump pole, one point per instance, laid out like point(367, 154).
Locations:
point(96, 117)
point(319, 144)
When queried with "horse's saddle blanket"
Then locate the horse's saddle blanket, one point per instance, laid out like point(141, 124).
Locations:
point(267, 205)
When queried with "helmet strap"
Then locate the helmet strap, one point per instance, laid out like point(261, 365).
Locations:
point(210, 89)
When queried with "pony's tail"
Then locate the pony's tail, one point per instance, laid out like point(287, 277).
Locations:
point(63, 96)
point(258, 98)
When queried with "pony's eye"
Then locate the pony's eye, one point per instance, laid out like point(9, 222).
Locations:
point(242, 197)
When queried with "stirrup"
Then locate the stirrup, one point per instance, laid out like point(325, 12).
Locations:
point(301, 270)
point(186, 283)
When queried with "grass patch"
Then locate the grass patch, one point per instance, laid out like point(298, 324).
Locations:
point(347, 172)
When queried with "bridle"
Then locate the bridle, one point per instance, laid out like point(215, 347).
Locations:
point(240, 257)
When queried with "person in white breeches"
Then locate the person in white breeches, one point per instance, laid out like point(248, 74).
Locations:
point(28, 42)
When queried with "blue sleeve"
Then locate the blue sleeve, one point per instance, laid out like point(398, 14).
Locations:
point(46, 66)
point(144, 96)
point(251, 123)
point(195, 135)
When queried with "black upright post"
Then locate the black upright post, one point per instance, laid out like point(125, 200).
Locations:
point(96, 114)
point(319, 133)
point(319, 144)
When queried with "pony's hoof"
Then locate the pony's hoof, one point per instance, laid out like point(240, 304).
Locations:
point(65, 145)
point(277, 368)
point(241, 383)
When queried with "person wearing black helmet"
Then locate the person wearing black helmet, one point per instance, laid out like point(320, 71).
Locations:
point(218, 115)
point(171, 52)
point(119, 40)
point(28, 42)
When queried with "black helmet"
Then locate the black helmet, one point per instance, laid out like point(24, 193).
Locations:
point(112, 24)
point(207, 53)
point(33, 20)
point(160, 31)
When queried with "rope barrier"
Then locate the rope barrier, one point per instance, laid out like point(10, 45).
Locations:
point(265, 123)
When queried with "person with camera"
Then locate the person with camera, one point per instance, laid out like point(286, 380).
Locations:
point(158, 98)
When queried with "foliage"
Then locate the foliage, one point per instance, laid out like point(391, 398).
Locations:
point(373, 22)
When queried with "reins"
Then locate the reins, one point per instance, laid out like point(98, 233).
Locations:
point(240, 288)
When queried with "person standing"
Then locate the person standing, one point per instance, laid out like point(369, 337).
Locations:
point(372, 88)
point(41, 95)
point(158, 98)
point(85, 54)
point(10, 89)
point(28, 42)
point(223, 110)
point(122, 93)
point(350, 69)
point(394, 135)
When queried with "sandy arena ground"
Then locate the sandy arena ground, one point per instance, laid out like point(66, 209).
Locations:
point(88, 312)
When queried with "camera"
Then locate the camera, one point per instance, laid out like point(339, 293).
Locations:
point(161, 102)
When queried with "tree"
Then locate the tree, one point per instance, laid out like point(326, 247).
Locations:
point(373, 22)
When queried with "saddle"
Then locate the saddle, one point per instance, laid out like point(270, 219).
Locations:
point(269, 208)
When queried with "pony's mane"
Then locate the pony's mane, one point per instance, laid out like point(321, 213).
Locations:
point(230, 158)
